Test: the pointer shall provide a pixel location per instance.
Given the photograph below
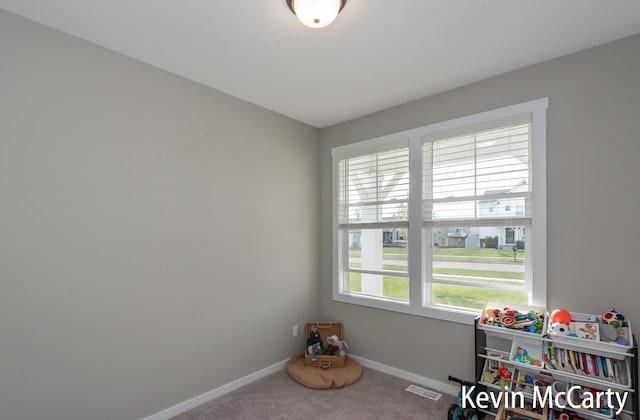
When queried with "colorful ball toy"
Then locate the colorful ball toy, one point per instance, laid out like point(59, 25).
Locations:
point(614, 318)
point(561, 315)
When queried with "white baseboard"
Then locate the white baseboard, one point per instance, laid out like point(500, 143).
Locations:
point(215, 393)
point(231, 386)
point(408, 376)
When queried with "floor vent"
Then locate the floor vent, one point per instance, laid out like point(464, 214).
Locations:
point(423, 392)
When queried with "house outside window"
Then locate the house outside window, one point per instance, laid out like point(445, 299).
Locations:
point(422, 220)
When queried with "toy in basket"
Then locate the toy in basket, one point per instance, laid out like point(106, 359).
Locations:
point(326, 347)
point(514, 317)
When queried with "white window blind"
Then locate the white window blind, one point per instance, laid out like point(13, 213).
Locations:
point(374, 188)
point(470, 176)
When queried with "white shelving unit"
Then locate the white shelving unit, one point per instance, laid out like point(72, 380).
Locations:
point(495, 346)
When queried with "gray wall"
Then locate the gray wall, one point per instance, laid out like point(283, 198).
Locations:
point(157, 238)
point(593, 178)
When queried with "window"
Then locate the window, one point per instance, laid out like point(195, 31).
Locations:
point(510, 235)
point(373, 223)
point(422, 220)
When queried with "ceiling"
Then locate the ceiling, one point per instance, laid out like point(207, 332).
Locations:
point(377, 54)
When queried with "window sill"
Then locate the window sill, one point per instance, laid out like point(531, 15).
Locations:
point(436, 312)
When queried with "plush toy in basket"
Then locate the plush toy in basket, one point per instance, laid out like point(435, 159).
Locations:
point(325, 345)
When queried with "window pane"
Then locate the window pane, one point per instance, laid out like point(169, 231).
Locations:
point(379, 286)
point(383, 212)
point(479, 255)
point(378, 249)
point(374, 187)
point(453, 167)
point(480, 209)
point(465, 176)
point(473, 297)
point(455, 210)
point(502, 207)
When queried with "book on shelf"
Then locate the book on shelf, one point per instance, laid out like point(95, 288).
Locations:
point(586, 330)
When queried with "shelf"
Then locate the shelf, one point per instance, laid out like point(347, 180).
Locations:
point(590, 382)
point(492, 346)
point(611, 350)
point(496, 375)
point(602, 347)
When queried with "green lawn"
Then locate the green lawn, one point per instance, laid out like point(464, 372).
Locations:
point(446, 294)
point(393, 287)
point(474, 297)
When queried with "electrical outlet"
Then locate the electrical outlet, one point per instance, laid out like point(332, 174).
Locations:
point(294, 333)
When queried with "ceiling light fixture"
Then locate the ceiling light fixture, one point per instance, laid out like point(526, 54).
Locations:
point(316, 13)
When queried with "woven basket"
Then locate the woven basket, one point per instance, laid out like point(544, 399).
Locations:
point(325, 329)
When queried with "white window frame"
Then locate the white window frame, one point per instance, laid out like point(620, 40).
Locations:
point(536, 255)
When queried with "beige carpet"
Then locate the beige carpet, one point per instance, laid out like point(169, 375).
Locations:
point(375, 396)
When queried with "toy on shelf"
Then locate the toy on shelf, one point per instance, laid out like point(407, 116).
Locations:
point(586, 330)
point(620, 323)
point(614, 318)
point(560, 315)
point(611, 328)
point(622, 339)
point(560, 328)
point(522, 356)
point(494, 376)
point(495, 372)
point(526, 382)
point(530, 321)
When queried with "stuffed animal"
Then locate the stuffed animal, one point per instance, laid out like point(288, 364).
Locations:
point(332, 350)
point(314, 337)
point(342, 345)
point(315, 350)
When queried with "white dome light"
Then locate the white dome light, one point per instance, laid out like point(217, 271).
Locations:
point(316, 13)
